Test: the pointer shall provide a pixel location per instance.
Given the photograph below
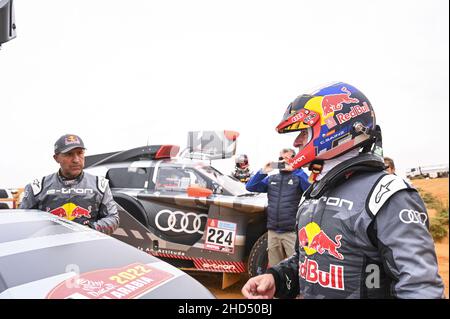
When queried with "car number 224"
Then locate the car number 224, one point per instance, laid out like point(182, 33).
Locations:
point(220, 236)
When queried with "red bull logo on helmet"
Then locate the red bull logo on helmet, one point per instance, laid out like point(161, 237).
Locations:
point(354, 112)
point(71, 211)
point(334, 102)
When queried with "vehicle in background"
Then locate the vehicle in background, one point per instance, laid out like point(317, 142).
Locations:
point(45, 256)
point(6, 199)
point(7, 22)
point(428, 171)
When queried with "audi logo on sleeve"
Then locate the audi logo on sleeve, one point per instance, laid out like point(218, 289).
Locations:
point(409, 216)
point(180, 222)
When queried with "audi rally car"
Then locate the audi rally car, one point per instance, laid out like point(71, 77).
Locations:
point(45, 256)
point(185, 211)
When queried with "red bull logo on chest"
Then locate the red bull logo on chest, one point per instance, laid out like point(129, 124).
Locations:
point(71, 211)
point(314, 240)
point(334, 278)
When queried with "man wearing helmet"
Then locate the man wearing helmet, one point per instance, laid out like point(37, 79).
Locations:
point(242, 169)
point(361, 233)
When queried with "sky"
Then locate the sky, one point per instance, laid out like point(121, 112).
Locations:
point(122, 74)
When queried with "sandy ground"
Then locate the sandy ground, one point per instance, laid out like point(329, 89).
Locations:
point(213, 282)
point(442, 254)
point(438, 187)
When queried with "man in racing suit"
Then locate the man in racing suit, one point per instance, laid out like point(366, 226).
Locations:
point(72, 193)
point(361, 233)
point(242, 169)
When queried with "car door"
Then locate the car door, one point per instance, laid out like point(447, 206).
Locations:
point(172, 215)
point(126, 184)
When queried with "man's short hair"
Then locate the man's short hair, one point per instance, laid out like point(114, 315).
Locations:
point(390, 162)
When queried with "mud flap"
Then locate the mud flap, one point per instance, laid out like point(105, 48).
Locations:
point(229, 279)
point(132, 232)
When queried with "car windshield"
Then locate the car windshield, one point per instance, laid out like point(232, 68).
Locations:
point(233, 186)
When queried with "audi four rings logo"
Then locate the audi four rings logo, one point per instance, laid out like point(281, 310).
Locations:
point(178, 221)
point(409, 216)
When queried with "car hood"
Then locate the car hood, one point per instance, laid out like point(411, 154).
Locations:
point(44, 256)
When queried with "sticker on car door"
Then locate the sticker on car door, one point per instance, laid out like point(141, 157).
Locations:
point(220, 236)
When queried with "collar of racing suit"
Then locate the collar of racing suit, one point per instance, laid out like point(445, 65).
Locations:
point(328, 165)
point(340, 172)
point(69, 181)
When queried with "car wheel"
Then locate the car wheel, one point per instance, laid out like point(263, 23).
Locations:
point(258, 259)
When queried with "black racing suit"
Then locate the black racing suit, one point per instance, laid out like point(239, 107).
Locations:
point(361, 233)
point(86, 200)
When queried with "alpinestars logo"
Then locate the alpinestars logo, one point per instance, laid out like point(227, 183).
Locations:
point(383, 190)
point(288, 282)
point(37, 183)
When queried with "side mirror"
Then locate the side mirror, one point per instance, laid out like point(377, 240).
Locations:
point(217, 189)
point(197, 191)
point(7, 23)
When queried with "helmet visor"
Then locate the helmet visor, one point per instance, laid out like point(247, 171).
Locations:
point(242, 165)
point(296, 106)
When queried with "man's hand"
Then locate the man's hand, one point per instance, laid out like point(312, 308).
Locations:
point(87, 223)
point(259, 287)
point(267, 168)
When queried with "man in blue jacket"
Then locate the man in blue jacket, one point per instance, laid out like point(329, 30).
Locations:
point(284, 191)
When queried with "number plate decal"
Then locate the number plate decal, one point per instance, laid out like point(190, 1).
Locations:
point(220, 236)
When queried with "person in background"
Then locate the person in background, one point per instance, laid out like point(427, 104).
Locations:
point(242, 168)
point(71, 193)
point(284, 190)
point(390, 166)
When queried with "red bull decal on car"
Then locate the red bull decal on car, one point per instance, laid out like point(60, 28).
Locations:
point(131, 281)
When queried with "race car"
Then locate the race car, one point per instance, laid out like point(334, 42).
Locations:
point(45, 256)
point(185, 211)
point(7, 22)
